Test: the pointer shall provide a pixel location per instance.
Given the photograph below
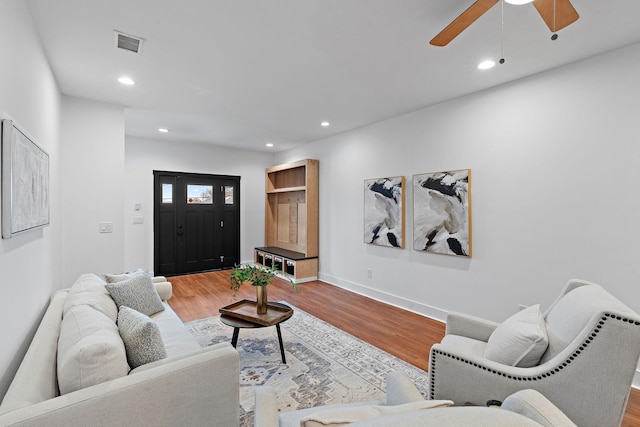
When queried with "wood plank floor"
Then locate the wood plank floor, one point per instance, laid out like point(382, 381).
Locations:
point(404, 334)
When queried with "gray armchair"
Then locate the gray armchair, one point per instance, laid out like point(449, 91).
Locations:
point(586, 371)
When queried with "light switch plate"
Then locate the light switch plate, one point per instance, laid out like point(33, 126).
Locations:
point(106, 227)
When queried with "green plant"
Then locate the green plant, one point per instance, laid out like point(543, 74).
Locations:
point(256, 275)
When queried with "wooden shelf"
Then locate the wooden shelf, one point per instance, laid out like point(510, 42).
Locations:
point(286, 189)
point(291, 213)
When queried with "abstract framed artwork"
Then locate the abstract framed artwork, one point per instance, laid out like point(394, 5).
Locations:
point(25, 182)
point(442, 212)
point(384, 211)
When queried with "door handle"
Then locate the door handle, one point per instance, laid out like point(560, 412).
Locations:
point(179, 230)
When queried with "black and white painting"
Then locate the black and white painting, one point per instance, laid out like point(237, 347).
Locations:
point(384, 211)
point(442, 212)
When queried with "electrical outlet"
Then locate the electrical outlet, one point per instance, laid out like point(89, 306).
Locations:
point(138, 220)
point(369, 273)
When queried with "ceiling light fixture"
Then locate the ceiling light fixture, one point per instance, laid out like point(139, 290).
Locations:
point(518, 2)
point(163, 130)
point(325, 124)
point(126, 80)
point(268, 144)
point(485, 65)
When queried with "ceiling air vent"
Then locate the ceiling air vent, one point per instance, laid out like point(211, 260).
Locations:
point(127, 42)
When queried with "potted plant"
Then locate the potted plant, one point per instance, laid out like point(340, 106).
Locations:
point(257, 276)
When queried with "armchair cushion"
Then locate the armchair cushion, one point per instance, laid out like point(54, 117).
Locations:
point(400, 389)
point(536, 407)
point(521, 340)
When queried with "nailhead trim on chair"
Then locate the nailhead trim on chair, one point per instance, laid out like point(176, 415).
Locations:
point(575, 354)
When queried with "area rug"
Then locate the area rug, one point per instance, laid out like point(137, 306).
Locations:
point(324, 364)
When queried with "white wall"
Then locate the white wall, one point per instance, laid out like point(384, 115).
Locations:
point(555, 160)
point(29, 263)
point(92, 187)
point(143, 156)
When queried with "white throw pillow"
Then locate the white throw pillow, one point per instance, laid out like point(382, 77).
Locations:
point(336, 417)
point(141, 337)
point(90, 290)
point(138, 293)
point(90, 350)
point(114, 278)
point(521, 340)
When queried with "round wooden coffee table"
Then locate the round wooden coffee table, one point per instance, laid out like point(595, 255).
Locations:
point(245, 323)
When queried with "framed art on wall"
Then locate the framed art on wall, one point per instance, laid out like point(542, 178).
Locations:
point(25, 182)
point(442, 212)
point(384, 211)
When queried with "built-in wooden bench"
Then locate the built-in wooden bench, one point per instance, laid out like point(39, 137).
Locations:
point(292, 265)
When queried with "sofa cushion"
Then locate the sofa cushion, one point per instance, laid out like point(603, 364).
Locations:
point(335, 417)
point(521, 340)
point(121, 277)
point(89, 289)
point(90, 350)
point(176, 337)
point(141, 337)
point(137, 293)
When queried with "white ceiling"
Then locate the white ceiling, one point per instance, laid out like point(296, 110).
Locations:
point(242, 73)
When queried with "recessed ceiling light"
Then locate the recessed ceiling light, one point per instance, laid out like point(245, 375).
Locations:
point(485, 65)
point(325, 124)
point(268, 144)
point(518, 2)
point(126, 80)
point(163, 130)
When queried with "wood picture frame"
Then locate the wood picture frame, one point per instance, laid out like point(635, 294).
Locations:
point(384, 211)
point(442, 212)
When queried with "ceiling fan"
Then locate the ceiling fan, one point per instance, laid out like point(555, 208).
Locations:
point(557, 14)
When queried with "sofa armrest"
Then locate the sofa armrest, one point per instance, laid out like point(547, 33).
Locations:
point(173, 359)
point(470, 326)
point(400, 389)
point(165, 290)
point(536, 407)
point(198, 390)
point(266, 409)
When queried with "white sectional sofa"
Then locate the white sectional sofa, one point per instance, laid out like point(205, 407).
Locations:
point(192, 386)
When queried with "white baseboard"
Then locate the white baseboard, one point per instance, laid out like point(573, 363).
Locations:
point(636, 380)
point(404, 303)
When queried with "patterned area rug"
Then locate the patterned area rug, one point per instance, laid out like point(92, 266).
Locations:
point(324, 364)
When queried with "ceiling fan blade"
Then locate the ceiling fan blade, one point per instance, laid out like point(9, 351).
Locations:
point(565, 14)
point(466, 18)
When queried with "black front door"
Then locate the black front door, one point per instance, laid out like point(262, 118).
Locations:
point(196, 222)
